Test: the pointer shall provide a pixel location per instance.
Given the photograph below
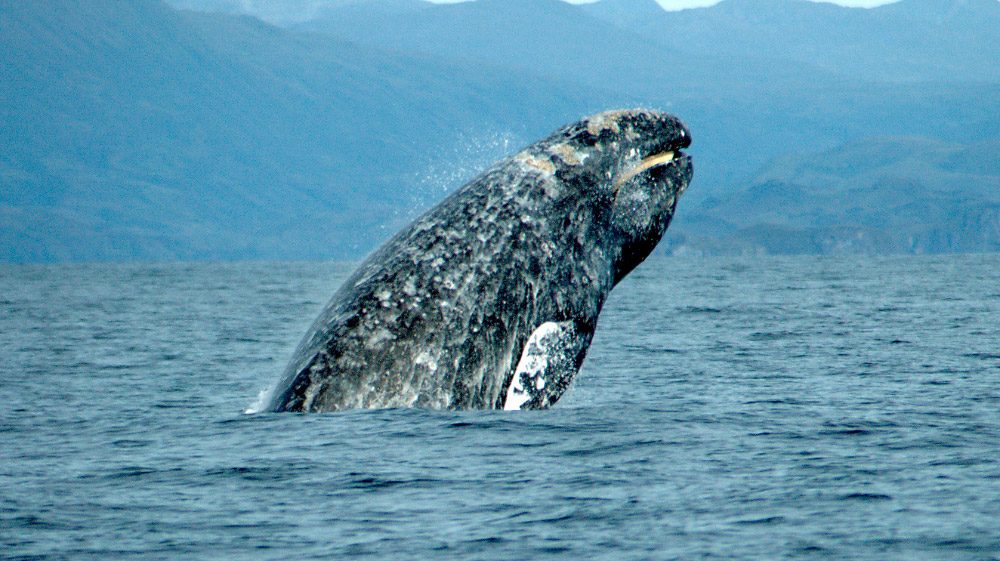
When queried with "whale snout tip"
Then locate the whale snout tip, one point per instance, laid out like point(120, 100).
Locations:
point(685, 135)
point(677, 134)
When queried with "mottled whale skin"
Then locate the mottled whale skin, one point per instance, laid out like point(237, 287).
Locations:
point(490, 299)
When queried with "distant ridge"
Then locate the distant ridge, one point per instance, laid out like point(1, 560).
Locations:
point(872, 196)
point(910, 40)
point(625, 13)
point(131, 130)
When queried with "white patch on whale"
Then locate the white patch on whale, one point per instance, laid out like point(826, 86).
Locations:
point(529, 376)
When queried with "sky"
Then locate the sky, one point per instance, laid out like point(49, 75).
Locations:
point(681, 4)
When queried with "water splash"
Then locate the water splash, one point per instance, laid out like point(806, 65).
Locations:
point(259, 404)
point(470, 154)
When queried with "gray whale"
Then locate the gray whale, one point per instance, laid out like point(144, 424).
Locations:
point(490, 299)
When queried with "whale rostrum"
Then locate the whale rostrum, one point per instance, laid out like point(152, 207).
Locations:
point(490, 299)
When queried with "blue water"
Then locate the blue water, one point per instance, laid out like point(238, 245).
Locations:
point(753, 408)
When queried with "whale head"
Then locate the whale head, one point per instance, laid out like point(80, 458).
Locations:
point(630, 167)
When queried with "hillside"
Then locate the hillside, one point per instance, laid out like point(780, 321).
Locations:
point(908, 40)
point(747, 99)
point(882, 195)
point(133, 130)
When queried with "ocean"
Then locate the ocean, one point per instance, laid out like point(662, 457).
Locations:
point(729, 408)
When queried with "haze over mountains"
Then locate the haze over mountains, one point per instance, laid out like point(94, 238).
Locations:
point(134, 130)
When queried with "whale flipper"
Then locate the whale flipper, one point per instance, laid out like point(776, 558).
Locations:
point(548, 362)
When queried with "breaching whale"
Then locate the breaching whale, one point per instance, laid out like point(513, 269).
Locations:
point(490, 299)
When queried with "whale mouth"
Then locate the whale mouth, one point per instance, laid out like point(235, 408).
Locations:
point(664, 158)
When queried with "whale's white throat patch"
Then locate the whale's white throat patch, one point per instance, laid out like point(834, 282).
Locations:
point(529, 376)
point(651, 161)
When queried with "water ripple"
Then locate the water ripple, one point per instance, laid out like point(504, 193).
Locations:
point(752, 408)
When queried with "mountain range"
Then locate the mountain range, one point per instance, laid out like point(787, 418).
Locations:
point(876, 196)
point(142, 130)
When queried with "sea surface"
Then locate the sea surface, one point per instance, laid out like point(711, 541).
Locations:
point(730, 408)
